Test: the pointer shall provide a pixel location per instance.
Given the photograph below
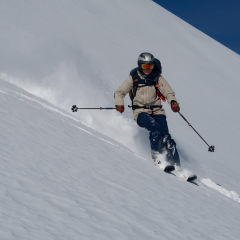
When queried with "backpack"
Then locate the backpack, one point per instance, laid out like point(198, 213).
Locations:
point(151, 80)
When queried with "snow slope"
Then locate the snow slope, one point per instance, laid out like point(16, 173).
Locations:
point(78, 52)
point(60, 179)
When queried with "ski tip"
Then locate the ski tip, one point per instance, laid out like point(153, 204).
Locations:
point(169, 168)
point(192, 178)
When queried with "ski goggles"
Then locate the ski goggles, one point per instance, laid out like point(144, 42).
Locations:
point(147, 66)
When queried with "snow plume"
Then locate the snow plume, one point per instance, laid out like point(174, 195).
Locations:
point(82, 85)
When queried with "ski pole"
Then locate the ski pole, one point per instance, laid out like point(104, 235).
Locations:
point(75, 108)
point(211, 148)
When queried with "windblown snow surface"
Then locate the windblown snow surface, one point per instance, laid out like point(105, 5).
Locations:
point(89, 175)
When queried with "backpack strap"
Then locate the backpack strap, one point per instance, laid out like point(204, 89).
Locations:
point(135, 78)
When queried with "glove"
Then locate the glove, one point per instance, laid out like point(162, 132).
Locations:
point(175, 107)
point(120, 109)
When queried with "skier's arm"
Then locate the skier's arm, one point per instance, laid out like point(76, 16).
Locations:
point(122, 91)
point(167, 91)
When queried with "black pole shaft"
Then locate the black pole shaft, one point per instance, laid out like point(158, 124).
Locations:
point(98, 108)
point(193, 128)
point(75, 108)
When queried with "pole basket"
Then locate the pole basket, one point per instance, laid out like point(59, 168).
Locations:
point(74, 108)
point(211, 149)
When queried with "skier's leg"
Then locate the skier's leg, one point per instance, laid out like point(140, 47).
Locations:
point(162, 122)
point(168, 143)
point(155, 135)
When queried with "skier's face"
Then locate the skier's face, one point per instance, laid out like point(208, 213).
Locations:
point(147, 71)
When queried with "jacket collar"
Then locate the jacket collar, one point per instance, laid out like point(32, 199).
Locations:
point(150, 77)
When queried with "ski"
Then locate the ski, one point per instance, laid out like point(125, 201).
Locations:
point(192, 178)
point(169, 168)
point(164, 166)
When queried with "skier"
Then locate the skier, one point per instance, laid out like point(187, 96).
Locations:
point(143, 87)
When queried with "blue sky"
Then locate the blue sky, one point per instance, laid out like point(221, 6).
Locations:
point(219, 19)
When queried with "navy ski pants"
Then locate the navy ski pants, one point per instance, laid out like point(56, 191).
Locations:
point(160, 139)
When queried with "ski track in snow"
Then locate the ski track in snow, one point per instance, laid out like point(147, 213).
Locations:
point(231, 194)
